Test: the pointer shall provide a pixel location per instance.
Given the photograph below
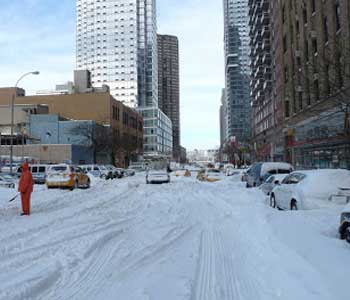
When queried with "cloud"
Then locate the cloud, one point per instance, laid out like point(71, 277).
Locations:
point(40, 35)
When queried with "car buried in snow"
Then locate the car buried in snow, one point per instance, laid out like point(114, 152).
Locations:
point(157, 176)
point(308, 189)
point(270, 182)
point(7, 181)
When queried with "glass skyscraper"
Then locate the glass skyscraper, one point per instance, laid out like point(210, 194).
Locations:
point(117, 42)
point(237, 70)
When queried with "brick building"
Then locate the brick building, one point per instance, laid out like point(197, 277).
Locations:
point(314, 54)
point(126, 137)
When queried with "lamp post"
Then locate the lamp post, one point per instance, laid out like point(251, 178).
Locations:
point(13, 114)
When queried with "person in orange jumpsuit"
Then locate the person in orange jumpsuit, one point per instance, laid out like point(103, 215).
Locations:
point(26, 188)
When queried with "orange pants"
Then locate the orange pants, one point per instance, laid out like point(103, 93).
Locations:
point(25, 197)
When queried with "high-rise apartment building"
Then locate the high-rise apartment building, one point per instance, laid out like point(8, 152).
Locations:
point(117, 42)
point(237, 70)
point(169, 85)
point(263, 108)
point(314, 80)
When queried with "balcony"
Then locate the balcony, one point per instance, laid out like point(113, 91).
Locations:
point(267, 87)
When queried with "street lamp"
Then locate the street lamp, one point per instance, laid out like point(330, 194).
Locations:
point(13, 114)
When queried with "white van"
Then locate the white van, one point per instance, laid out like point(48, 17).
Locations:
point(39, 172)
point(260, 171)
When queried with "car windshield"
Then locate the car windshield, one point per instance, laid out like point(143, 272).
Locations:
point(213, 171)
point(58, 169)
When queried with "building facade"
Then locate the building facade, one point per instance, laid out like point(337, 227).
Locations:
point(237, 70)
point(160, 140)
point(169, 85)
point(315, 44)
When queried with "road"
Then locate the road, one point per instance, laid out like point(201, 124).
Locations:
point(124, 239)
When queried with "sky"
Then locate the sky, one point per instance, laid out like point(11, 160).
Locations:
point(40, 35)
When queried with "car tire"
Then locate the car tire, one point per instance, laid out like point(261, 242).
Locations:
point(293, 205)
point(347, 235)
point(88, 185)
point(12, 186)
point(273, 201)
point(75, 186)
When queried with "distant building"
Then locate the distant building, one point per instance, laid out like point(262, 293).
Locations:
point(22, 112)
point(169, 85)
point(203, 156)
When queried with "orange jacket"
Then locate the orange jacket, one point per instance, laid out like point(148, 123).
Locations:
point(26, 182)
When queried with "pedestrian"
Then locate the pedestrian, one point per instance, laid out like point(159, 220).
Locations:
point(26, 188)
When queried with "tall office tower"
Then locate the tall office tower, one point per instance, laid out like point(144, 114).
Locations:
point(169, 85)
point(237, 70)
point(117, 43)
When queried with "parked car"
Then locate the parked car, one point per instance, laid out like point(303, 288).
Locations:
point(7, 168)
point(67, 176)
point(344, 228)
point(213, 175)
point(120, 172)
point(130, 172)
point(157, 176)
point(308, 189)
point(98, 171)
point(256, 174)
point(271, 182)
point(114, 172)
point(39, 172)
point(232, 171)
point(7, 181)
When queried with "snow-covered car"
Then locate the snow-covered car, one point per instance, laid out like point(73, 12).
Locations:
point(213, 175)
point(271, 182)
point(129, 172)
point(97, 171)
point(67, 176)
point(308, 189)
point(344, 228)
point(157, 176)
point(256, 174)
point(7, 168)
point(7, 181)
point(232, 171)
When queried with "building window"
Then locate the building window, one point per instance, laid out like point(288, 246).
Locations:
point(337, 15)
point(313, 6)
point(317, 90)
point(325, 28)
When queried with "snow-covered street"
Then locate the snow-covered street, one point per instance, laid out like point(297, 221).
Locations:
point(124, 239)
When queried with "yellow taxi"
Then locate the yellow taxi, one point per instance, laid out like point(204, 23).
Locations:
point(67, 176)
